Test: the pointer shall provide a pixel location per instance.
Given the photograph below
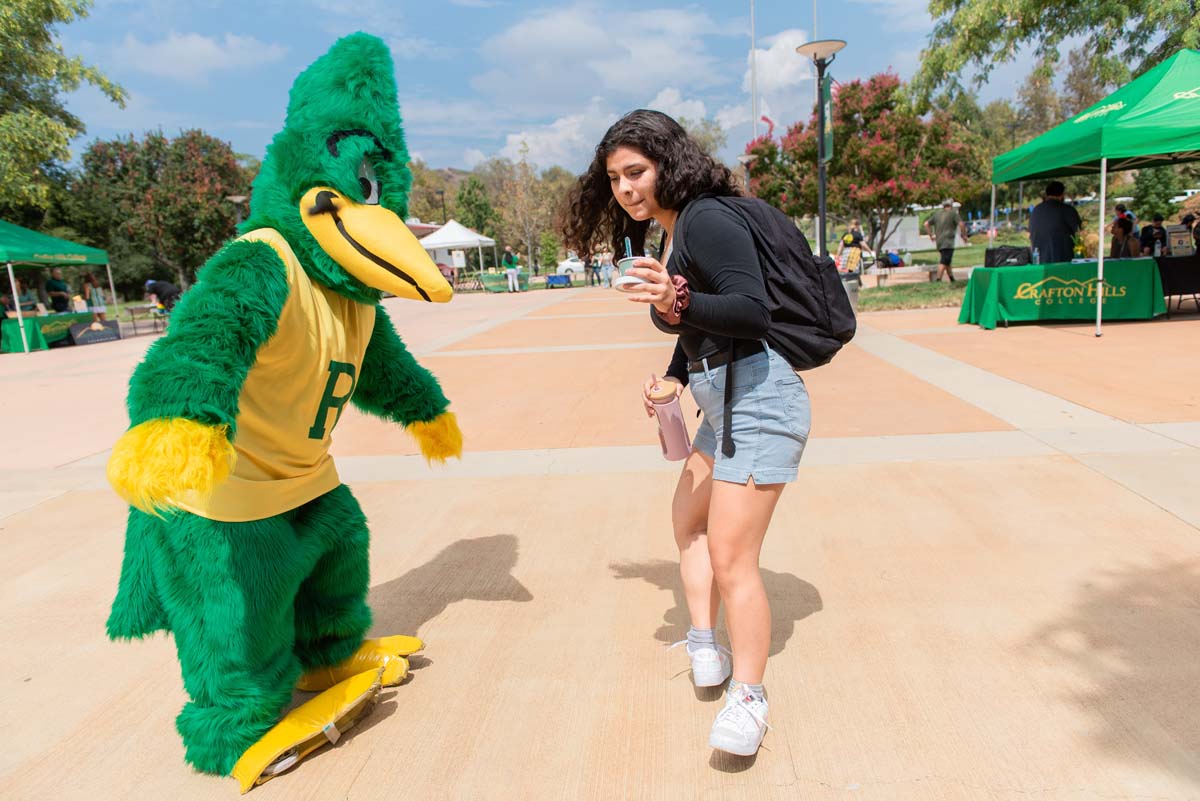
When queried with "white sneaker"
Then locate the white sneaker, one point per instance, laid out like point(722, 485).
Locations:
point(740, 727)
point(710, 666)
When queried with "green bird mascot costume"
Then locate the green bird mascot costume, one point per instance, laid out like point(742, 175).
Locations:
point(241, 539)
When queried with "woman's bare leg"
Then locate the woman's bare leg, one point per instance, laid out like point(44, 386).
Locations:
point(689, 516)
point(738, 516)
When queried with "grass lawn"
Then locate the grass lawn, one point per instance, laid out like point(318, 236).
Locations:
point(912, 296)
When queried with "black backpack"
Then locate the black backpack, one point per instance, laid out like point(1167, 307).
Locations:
point(811, 316)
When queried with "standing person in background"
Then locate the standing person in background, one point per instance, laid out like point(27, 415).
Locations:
point(94, 295)
point(1053, 225)
point(852, 240)
point(58, 292)
point(941, 226)
point(1129, 215)
point(593, 269)
point(511, 265)
point(606, 267)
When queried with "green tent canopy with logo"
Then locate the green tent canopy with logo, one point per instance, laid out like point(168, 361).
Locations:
point(20, 247)
point(1150, 122)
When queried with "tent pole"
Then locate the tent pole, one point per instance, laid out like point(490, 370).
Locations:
point(1100, 244)
point(12, 282)
point(113, 289)
point(992, 220)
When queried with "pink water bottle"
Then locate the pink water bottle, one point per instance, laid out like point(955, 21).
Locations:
point(672, 429)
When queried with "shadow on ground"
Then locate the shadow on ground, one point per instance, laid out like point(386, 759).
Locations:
point(467, 570)
point(1132, 640)
point(792, 599)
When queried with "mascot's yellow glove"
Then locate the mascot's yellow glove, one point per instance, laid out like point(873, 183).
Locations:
point(158, 460)
point(440, 438)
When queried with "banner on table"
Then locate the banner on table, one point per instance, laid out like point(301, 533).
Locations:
point(91, 333)
point(1067, 291)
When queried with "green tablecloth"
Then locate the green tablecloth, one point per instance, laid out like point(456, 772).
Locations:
point(58, 326)
point(1132, 291)
point(10, 335)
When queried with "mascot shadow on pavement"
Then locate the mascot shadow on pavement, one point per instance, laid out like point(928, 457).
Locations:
point(241, 540)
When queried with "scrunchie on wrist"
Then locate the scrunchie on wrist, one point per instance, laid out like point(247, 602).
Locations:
point(683, 297)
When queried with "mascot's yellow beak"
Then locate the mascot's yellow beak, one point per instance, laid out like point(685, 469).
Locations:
point(373, 245)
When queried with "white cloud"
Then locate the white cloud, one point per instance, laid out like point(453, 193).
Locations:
point(569, 141)
point(670, 102)
point(542, 61)
point(192, 58)
point(473, 157)
point(409, 48)
point(780, 68)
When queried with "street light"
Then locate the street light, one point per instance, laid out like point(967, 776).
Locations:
point(821, 52)
point(746, 159)
point(441, 193)
point(237, 201)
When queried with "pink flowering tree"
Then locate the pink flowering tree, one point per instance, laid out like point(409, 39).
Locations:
point(886, 159)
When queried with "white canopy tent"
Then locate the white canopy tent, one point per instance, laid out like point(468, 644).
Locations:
point(456, 236)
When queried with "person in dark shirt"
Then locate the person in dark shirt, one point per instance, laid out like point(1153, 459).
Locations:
point(58, 291)
point(1153, 234)
point(708, 291)
point(1053, 225)
point(164, 291)
point(852, 240)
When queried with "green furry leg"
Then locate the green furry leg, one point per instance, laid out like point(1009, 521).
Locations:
point(137, 611)
point(228, 590)
point(331, 610)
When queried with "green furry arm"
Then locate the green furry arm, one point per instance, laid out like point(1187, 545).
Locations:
point(197, 370)
point(392, 385)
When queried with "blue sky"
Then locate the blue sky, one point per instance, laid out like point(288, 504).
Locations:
point(479, 77)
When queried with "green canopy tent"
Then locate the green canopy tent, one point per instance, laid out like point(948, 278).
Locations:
point(20, 247)
point(1152, 121)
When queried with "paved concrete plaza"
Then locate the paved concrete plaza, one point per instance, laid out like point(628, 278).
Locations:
point(986, 584)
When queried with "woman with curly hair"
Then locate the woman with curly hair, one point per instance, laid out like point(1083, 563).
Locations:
point(647, 169)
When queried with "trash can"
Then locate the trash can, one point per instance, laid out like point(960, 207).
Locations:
point(851, 283)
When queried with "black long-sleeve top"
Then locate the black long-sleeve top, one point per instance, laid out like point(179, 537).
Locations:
point(715, 251)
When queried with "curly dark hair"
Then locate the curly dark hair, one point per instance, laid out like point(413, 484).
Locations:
point(685, 172)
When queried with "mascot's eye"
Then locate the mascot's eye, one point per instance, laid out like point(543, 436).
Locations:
point(368, 183)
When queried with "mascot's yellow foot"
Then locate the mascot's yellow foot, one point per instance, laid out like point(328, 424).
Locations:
point(160, 460)
point(306, 728)
point(440, 438)
point(385, 652)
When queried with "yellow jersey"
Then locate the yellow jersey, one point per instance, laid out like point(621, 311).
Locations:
point(300, 383)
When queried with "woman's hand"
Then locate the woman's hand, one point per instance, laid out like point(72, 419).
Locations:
point(658, 289)
point(655, 382)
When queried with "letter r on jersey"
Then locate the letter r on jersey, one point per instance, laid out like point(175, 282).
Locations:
point(332, 401)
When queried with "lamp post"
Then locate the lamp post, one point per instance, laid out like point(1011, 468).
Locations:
point(746, 159)
point(441, 193)
point(822, 53)
point(237, 201)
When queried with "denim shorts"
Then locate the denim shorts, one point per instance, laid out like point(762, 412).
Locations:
point(770, 421)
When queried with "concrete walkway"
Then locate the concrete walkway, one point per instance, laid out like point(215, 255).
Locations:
point(986, 584)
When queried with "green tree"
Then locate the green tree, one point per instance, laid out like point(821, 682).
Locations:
point(708, 134)
point(550, 247)
point(475, 211)
point(35, 126)
point(1152, 192)
point(889, 158)
point(158, 204)
point(1081, 90)
point(980, 34)
point(430, 188)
